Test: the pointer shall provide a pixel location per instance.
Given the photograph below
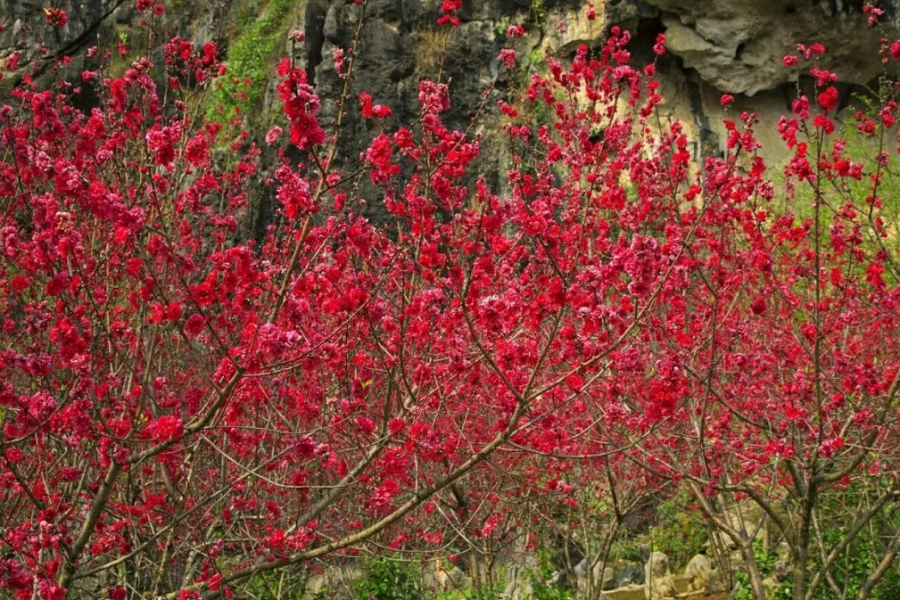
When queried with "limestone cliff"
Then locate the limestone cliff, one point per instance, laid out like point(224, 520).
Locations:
point(715, 46)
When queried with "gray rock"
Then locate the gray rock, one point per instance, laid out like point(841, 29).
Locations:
point(630, 574)
point(737, 45)
point(605, 581)
point(658, 583)
point(697, 573)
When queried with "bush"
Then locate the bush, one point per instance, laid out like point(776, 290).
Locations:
point(389, 579)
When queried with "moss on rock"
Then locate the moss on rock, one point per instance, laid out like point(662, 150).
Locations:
point(251, 59)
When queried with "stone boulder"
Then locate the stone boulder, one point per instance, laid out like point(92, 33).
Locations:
point(605, 580)
point(737, 45)
point(629, 575)
point(697, 573)
point(658, 582)
point(718, 582)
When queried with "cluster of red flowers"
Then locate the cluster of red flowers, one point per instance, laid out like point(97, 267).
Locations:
point(203, 408)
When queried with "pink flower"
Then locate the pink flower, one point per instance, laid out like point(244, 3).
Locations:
point(490, 526)
point(895, 50)
point(508, 57)
point(380, 111)
point(758, 305)
point(117, 593)
point(433, 538)
point(659, 48)
point(575, 382)
point(447, 8)
point(173, 311)
point(830, 447)
point(56, 285)
point(272, 135)
point(378, 156)
point(365, 424)
point(12, 63)
point(197, 152)
point(365, 103)
point(873, 12)
point(810, 51)
point(515, 31)
point(338, 56)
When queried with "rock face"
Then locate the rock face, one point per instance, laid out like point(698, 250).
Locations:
point(697, 573)
point(715, 46)
point(737, 45)
point(94, 22)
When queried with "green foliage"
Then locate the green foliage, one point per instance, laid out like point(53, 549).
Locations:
point(389, 579)
point(766, 563)
point(678, 531)
point(864, 553)
point(889, 589)
point(537, 13)
point(251, 59)
point(502, 25)
point(277, 586)
point(839, 192)
point(742, 589)
point(451, 595)
point(468, 595)
point(852, 569)
point(625, 549)
point(541, 586)
point(541, 590)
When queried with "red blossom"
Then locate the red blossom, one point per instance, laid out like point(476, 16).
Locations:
point(507, 57)
point(515, 31)
point(828, 99)
point(241, 332)
point(873, 13)
point(659, 47)
point(56, 17)
point(166, 428)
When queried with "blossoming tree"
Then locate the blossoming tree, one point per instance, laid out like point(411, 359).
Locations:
point(186, 411)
